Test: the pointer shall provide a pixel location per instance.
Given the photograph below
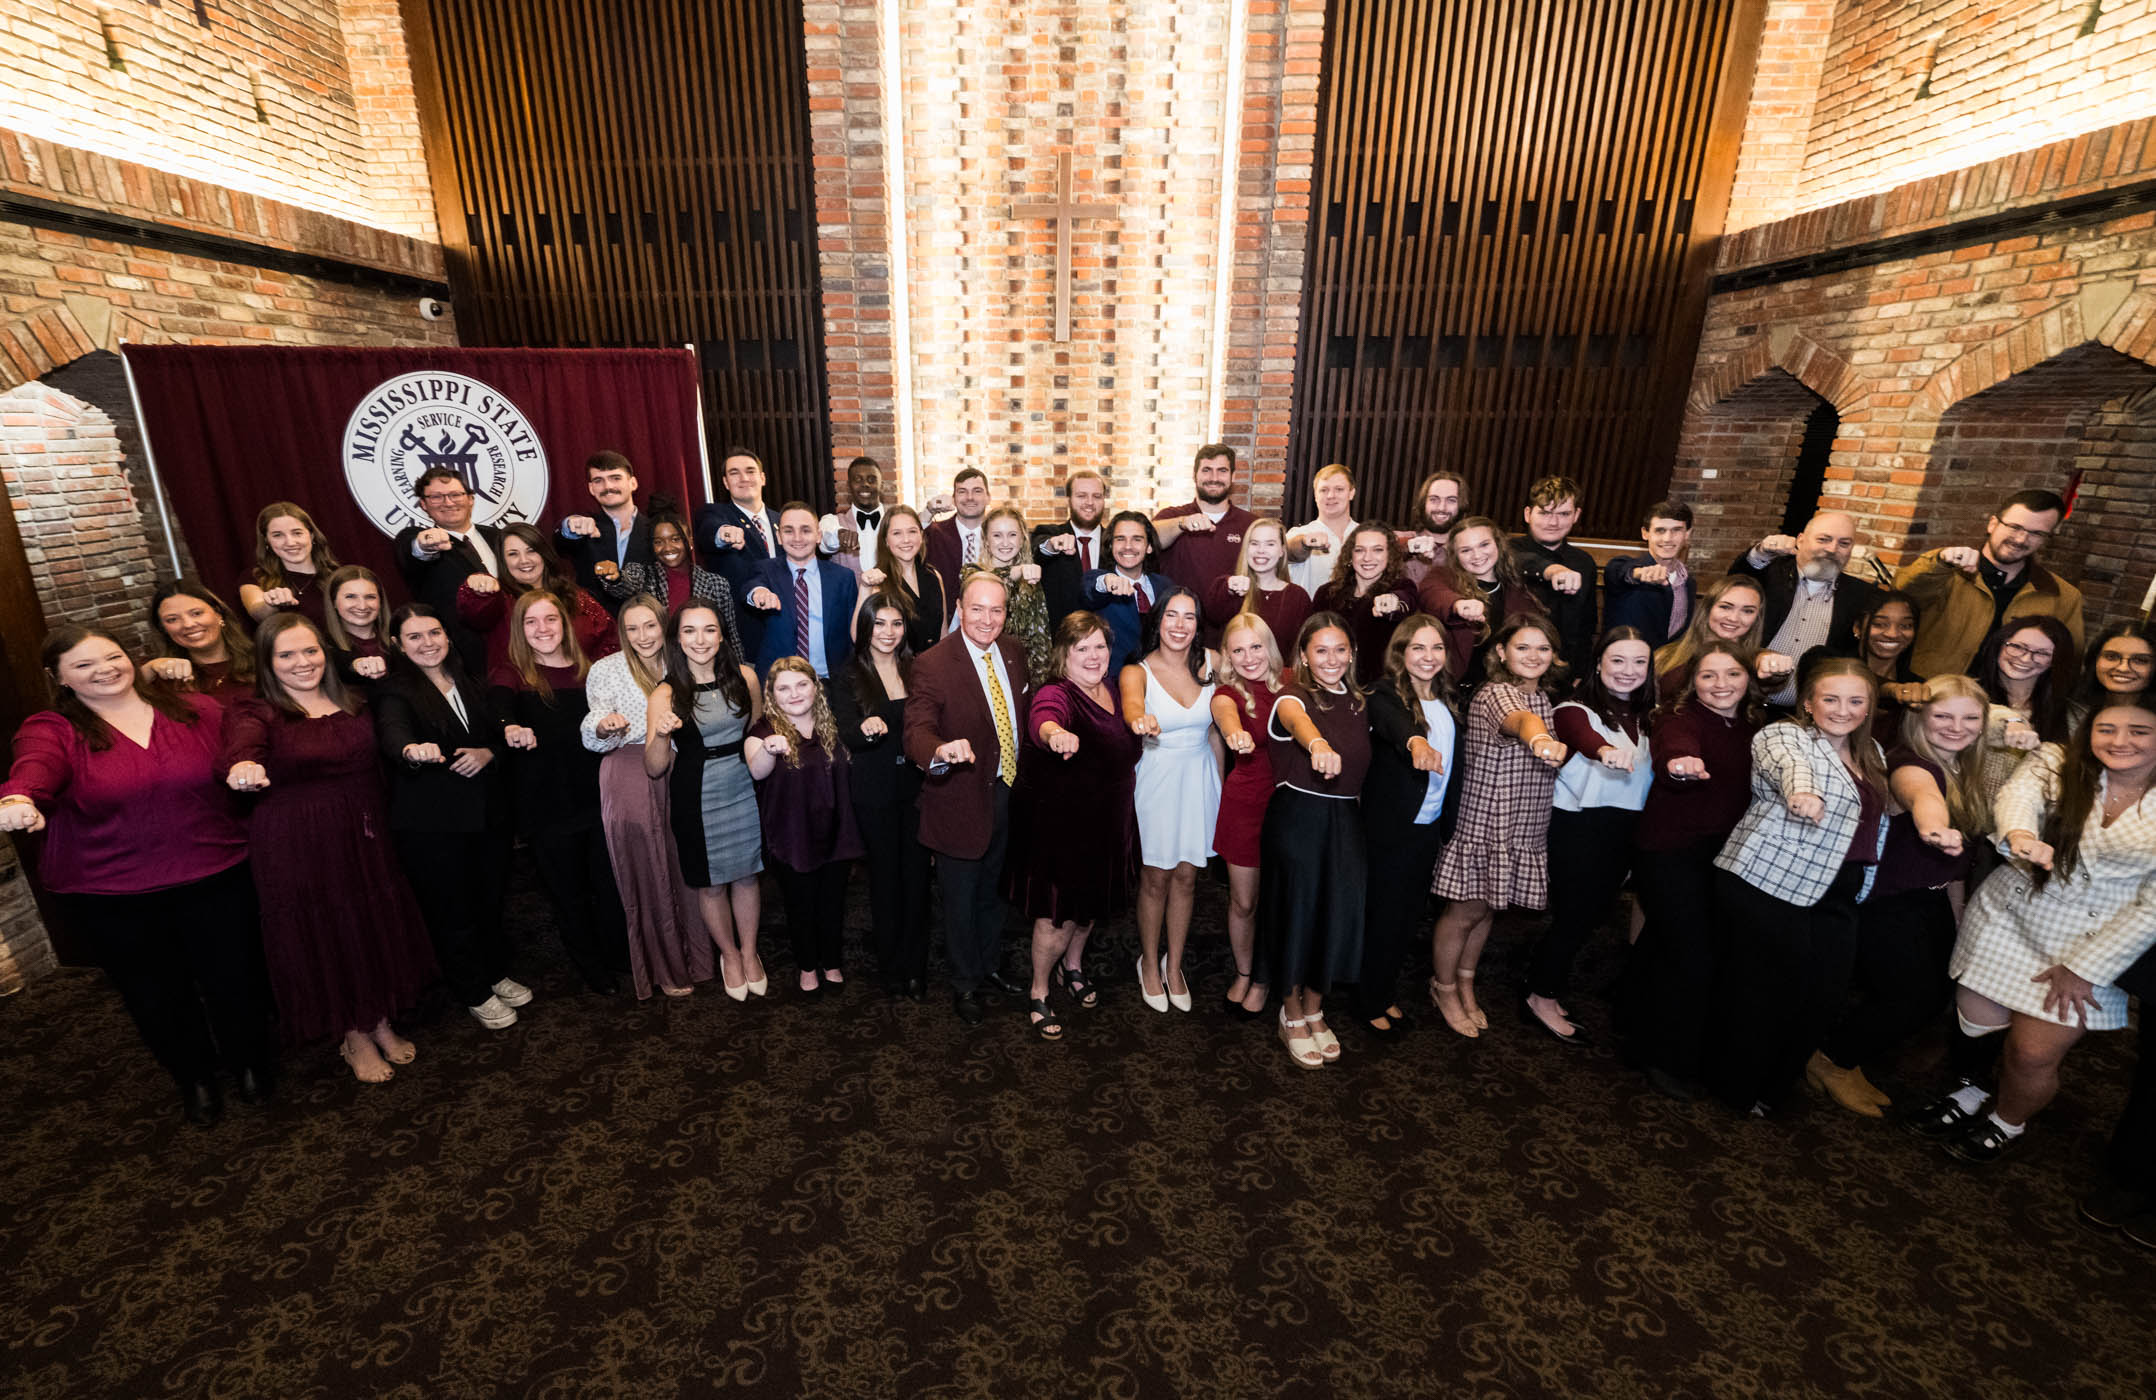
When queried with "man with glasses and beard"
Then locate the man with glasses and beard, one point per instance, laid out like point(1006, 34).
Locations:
point(1811, 600)
point(1963, 594)
point(436, 558)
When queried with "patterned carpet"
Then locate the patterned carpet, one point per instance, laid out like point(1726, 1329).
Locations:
point(862, 1198)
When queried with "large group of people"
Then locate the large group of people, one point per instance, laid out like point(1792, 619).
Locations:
point(1849, 815)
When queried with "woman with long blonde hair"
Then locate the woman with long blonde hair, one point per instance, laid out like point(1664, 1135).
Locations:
point(1260, 584)
point(293, 561)
point(1250, 682)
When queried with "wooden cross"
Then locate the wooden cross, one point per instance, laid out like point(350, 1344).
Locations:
point(1061, 212)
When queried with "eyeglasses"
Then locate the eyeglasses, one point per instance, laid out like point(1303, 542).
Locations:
point(2139, 661)
point(443, 498)
point(2024, 532)
point(2026, 652)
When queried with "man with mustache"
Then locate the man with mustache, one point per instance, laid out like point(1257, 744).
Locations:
point(1811, 600)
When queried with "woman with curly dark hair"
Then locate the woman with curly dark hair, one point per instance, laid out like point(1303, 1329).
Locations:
point(1369, 589)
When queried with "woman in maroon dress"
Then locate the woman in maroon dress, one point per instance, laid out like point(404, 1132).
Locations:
point(347, 946)
point(1260, 584)
point(804, 802)
point(293, 562)
point(1242, 708)
point(199, 643)
point(531, 564)
point(1073, 835)
point(143, 853)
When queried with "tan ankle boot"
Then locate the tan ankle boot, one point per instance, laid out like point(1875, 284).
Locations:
point(1845, 1086)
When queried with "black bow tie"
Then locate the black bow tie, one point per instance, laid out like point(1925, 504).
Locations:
point(868, 519)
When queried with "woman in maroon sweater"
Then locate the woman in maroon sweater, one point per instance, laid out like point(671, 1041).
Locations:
point(805, 804)
point(1370, 593)
point(145, 856)
point(198, 643)
point(1702, 747)
point(1472, 593)
point(530, 563)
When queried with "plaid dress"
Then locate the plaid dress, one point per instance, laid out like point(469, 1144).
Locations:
point(1499, 852)
point(2097, 922)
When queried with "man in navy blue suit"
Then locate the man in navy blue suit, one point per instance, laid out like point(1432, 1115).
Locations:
point(806, 602)
point(1655, 591)
point(733, 536)
point(615, 534)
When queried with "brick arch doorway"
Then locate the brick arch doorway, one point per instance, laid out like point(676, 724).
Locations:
point(1768, 441)
point(2082, 423)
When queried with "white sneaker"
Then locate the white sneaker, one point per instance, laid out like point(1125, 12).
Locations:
point(513, 993)
point(493, 1015)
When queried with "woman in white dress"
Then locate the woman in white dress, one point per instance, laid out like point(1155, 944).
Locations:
point(1167, 701)
point(2046, 937)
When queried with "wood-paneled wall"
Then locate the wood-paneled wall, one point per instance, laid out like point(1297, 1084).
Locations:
point(1516, 203)
point(636, 173)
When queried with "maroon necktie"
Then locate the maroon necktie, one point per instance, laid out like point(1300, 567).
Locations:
point(1085, 554)
point(1137, 595)
point(801, 612)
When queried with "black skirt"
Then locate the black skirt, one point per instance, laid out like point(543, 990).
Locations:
point(1312, 877)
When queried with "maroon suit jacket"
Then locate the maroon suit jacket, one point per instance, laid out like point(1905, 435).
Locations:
point(946, 702)
point(944, 551)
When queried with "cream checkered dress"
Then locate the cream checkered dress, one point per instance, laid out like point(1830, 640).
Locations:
point(2096, 923)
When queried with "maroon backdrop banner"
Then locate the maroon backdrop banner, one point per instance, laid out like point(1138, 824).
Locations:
point(236, 427)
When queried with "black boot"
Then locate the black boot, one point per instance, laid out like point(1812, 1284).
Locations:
point(201, 1102)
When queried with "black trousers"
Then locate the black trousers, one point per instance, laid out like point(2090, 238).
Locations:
point(898, 869)
point(1898, 983)
point(187, 962)
point(1662, 1006)
point(1401, 860)
point(973, 901)
point(815, 912)
point(459, 879)
point(579, 881)
point(1784, 979)
point(1590, 854)
point(2132, 1158)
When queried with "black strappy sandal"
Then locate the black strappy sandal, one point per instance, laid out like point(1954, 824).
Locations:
point(1046, 1024)
point(1072, 980)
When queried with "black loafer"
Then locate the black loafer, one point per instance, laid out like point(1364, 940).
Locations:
point(968, 1007)
point(1008, 986)
point(1577, 1040)
point(2111, 1207)
point(202, 1103)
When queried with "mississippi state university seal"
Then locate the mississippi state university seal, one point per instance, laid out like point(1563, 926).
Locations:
point(407, 426)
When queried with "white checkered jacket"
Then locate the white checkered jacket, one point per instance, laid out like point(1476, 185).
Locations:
point(1779, 853)
point(2106, 911)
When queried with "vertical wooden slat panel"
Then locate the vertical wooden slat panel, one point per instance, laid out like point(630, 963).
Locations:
point(1566, 342)
point(684, 119)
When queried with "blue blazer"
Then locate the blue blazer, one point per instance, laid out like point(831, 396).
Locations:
point(1126, 632)
point(1626, 603)
point(840, 588)
point(734, 565)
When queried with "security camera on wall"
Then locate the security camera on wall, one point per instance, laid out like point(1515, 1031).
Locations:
point(432, 308)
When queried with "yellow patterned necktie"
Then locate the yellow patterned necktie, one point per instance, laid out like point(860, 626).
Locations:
point(1006, 743)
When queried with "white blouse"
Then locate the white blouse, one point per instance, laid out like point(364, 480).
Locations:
point(609, 688)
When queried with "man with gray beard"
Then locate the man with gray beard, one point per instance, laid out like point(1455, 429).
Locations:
point(1811, 601)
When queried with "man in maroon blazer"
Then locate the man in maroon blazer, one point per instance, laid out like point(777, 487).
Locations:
point(963, 720)
point(955, 541)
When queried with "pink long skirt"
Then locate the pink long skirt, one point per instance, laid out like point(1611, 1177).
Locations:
point(667, 943)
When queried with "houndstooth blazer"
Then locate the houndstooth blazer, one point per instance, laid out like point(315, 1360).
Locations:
point(2104, 915)
point(1782, 854)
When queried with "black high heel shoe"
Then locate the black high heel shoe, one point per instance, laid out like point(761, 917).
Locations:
point(1577, 1040)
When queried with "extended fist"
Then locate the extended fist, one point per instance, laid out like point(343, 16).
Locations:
point(2023, 845)
point(1423, 545)
point(1195, 523)
point(1562, 579)
point(874, 728)
point(1773, 664)
point(422, 753)
point(1238, 585)
point(371, 668)
point(1960, 557)
point(763, 599)
point(1145, 727)
point(872, 578)
point(1063, 743)
point(519, 736)
point(1945, 839)
point(1385, 605)
point(1241, 742)
point(247, 777)
point(2020, 734)
point(1808, 806)
point(280, 597)
point(483, 583)
point(1653, 573)
point(775, 745)
point(732, 536)
point(1028, 573)
point(611, 724)
point(1471, 610)
point(1323, 761)
point(1778, 544)
point(1065, 543)
point(582, 525)
point(1612, 757)
point(1687, 769)
point(1115, 585)
point(21, 816)
point(956, 751)
point(1424, 755)
point(607, 569)
point(433, 541)
point(176, 669)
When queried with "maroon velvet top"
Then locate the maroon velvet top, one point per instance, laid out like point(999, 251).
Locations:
point(1370, 633)
point(489, 613)
point(1283, 610)
point(126, 819)
point(807, 810)
point(1577, 732)
point(307, 589)
point(1681, 813)
point(1908, 863)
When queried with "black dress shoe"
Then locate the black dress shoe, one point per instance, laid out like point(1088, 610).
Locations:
point(1982, 1142)
point(1669, 1086)
point(916, 989)
point(969, 1008)
point(202, 1103)
point(1009, 986)
point(606, 984)
point(257, 1084)
point(2109, 1207)
point(1940, 1119)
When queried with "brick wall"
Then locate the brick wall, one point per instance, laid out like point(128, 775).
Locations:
point(1959, 375)
point(1925, 86)
point(265, 98)
point(81, 526)
point(1793, 43)
point(1138, 91)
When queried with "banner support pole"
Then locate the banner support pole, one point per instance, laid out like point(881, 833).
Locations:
point(149, 459)
point(703, 442)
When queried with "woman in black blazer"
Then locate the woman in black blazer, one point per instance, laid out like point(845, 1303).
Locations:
point(1407, 806)
point(449, 810)
point(868, 699)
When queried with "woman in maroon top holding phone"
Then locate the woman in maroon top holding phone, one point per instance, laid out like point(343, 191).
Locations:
point(147, 860)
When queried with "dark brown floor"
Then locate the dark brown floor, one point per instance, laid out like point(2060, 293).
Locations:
point(866, 1199)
